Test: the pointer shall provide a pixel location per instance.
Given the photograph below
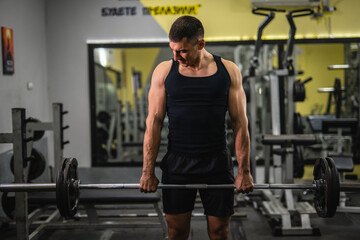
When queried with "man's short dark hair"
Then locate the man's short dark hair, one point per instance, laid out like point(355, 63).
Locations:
point(186, 26)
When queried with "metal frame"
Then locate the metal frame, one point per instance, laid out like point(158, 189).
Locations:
point(91, 221)
point(283, 80)
point(21, 138)
point(58, 130)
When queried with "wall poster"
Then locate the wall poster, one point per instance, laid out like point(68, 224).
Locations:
point(7, 50)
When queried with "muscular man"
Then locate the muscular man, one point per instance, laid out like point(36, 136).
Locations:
point(195, 89)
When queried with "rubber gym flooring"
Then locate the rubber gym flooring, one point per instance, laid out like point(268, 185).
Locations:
point(252, 226)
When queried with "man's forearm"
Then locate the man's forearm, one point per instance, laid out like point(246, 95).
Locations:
point(151, 148)
point(242, 148)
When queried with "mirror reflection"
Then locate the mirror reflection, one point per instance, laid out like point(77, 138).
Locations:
point(122, 77)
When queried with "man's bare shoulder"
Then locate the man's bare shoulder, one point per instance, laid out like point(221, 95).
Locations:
point(229, 64)
point(231, 67)
point(161, 71)
point(163, 67)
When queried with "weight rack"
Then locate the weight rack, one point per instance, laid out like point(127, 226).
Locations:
point(22, 140)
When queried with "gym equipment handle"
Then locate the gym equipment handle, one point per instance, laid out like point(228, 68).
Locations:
point(257, 11)
point(305, 12)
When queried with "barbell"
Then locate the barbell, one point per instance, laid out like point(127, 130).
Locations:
point(326, 187)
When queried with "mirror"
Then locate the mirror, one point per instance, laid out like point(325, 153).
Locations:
point(120, 77)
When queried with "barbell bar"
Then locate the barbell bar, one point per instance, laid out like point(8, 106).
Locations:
point(326, 187)
point(49, 187)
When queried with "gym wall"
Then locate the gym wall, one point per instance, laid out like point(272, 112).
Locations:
point(70, 24)
point(314, 60)
point(51, 37)
point(27, 19)
point(144, 58)
point(233, 20)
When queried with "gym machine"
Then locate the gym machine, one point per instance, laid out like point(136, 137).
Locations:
point(283, 160)
point(22, 136)
point(341, 130)
point(250, 80)
point(132, 123)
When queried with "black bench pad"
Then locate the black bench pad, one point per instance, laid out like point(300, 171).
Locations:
point(315, 121)
point(297, 139)
point(344, 163)
point(348, 125)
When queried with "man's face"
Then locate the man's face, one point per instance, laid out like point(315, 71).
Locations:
point(186, 53)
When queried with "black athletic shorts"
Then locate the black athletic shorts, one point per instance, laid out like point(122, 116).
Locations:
point(216, 202)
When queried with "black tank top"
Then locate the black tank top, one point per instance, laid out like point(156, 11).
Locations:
point(196, 108)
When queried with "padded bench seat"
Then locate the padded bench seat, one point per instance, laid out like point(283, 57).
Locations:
point(343, 163)
point(347, 125)
point(297, 139)
point(316, 121)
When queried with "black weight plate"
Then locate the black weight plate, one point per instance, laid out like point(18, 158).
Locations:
point(104, 117)
point(37, 134)
point(8, 205)
point(73, 191)
point(299, 91)
point(37, 164)
point(60, 190)
point(333, 200)
point(298, 161)
point(102, 135)
point(324, 192)
point(67, 194)
point(298, 124)
point(338, 97)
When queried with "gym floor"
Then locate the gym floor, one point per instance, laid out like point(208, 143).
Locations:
point(253, 225)
point(248, 222)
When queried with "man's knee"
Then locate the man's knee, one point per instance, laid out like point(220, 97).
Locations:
point(219, 233)
point(178, 226)
point(218, 228)
point(178, 233)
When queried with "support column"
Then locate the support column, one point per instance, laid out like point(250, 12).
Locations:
point(20, 173)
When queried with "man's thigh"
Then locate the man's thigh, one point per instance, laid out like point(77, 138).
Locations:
point(177, 201)
point(218, 202)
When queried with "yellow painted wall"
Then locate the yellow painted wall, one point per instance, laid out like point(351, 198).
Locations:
point(308, 172)
point(233, 20)
point(141, 59)
point(314, 60)
point(117, 52)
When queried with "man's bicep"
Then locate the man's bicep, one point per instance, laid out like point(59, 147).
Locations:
point(157, 96)
point(237, 98)
point(237, 108)
point(157, 102)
